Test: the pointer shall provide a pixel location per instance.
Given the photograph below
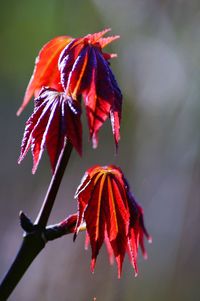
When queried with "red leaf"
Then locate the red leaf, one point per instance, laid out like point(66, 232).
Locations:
point(46, 71)
point(137, 230)
point(55, 119)
point(111, 215)
point(97, 38)
point(85, 71)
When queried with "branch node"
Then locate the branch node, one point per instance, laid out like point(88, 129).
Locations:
point(26, 223)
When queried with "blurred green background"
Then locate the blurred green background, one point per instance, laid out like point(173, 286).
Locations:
point(158, 70)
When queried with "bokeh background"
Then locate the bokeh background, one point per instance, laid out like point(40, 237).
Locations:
point(158, 70)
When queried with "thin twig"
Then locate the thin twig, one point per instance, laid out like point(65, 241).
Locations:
point(47, 205)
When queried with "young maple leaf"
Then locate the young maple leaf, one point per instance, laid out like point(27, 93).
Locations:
point(46, 71)
point(111, 214)
point(56, 117)
point(85, 71)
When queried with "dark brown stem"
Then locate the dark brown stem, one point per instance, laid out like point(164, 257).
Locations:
point(31, 246)
point(33, 242)
point(47, 205)
point(34, 238)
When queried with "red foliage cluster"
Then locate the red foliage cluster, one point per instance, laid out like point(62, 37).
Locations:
point(55, 118)
point(70, 68)
point(85, 70)
point(111, 214)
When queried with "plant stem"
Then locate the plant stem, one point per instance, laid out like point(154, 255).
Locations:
point(48, 203)
point(31, 246)
point(34, 238)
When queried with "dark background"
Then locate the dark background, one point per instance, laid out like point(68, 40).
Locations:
point(158, 70)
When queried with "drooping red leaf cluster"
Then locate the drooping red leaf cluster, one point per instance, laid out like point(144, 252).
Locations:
point(111, 214)
point(56, 117)
point(73, 68)
point(85, 70)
